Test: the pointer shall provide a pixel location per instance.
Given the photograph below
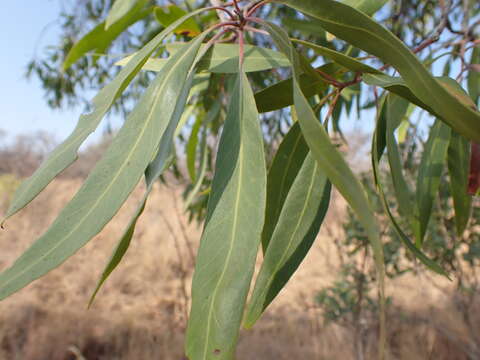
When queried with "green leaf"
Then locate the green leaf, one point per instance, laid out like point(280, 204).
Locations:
point(191, 148)
point(223, 58)
point(110, 182)
point(172, 13)
point(284, 169)
point(153, 172)
point(395, 110)
point(346, 61)
point(100, 38)
point(66, 152)
point(333, 164)
point(280, 95)
point(297, 227)
point(473, 80)
point(458, 168)
point(369, 7)
point(429, 174)
point(391, 111)
point(361, 31)
point(119, 9)
point(398, 86)
point(231, 237)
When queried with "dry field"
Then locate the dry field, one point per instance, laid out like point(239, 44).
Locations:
point(140, 313)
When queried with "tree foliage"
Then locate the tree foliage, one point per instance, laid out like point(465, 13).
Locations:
point(211, 91)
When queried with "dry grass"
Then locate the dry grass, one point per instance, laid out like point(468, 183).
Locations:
point(140, 313)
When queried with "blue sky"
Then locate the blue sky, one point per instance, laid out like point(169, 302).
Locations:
point(22, 30)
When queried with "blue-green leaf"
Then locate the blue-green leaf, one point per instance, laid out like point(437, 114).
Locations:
point(232, 233)
point(110, 182)
point(66, 152)
point(296, 229)
point(458, 168)
point(284, 169)
point(429, 174)
point(361, 31)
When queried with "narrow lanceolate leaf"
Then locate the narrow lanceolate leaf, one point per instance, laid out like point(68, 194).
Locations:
point(223, 58)
point(100, 38)
point(398, 86)
point(361, 31)
point(119, 9)
point(110, 182)
point(346, 61)
point(333, 164)
point(458, 168)
point(284, 169)
point(191, 148)
point(154, 170)
point(390, 114)
point(296, 229)
point(429, 174)
point(395, 110)
point(231, 237)
point(280, 95)
point(66, 153)
point(473, 80)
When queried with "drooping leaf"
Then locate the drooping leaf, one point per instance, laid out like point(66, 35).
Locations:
point(333, 164)
point(232, 233)
point(346, 61)
point(153, 172)
point(100, 38)
point(280, 95)
point(429, 174)
point(110, 182)
point(296, 229)
point(458, 168)
point(191, 148)
point(171, 13)
point(473, 79)
point(361, 31)
point(398, 86)
point(391, 111)
point(395, 110)
point(119, 9)
point(284, 169)
point(223, 58)
point(66, 153)
point(201, 173)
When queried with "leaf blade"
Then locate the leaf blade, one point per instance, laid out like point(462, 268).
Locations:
point(297, 227)
point(109, 184)
point(221, 280)
point(361, 31)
